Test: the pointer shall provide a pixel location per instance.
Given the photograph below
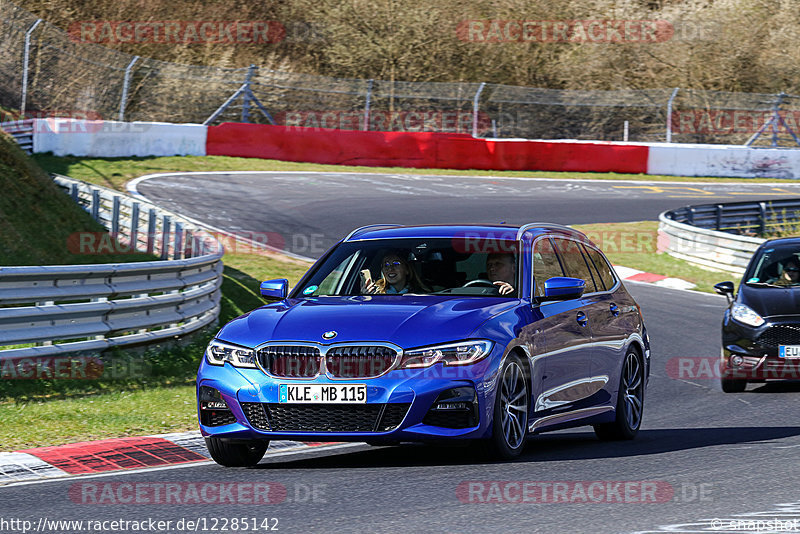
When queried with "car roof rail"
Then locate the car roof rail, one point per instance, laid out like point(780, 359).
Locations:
point(551, 226)
point(385, 225)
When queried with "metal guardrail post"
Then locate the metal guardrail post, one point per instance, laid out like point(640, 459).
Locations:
point(177, 253)
point(115, 218)
point(475, 104)
point(73, 192)
point(690, 215)
point(135, 227)
point(165, 224)
point(125, 85)
point(720, 207)
point(365, 127)
point(151, 231)
point(762, 217)
point(669, 113)
point(95, 204)
point(25, 67)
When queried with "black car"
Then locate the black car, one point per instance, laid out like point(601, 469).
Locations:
point(761, 327)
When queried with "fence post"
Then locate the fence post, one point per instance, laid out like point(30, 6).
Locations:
point(246, 94)
point(366, 106)
point(475, 105)
point(669, 113)
point(25, 66)
point(125, 84)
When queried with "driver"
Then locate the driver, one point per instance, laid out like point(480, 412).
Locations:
point(790, 275)
point(500, 270)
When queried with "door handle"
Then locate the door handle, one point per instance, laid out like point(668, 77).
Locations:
point(582, 319)
point(614, 309)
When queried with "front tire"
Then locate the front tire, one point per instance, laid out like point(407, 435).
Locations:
point(732, 385)
point(510, 420)
point(236, 453)
point(630, 402)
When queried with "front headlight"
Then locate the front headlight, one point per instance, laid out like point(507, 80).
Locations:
point(462, 353)
point(746, 315)
point(218, 352)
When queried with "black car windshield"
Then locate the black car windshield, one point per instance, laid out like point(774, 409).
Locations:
point(445, 266)
point(777, 266)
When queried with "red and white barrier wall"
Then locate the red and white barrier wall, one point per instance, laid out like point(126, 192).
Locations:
point(407, 149)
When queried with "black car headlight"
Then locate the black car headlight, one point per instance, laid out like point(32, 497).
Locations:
point(461, 353)
point(746, 315)
point(219, 352)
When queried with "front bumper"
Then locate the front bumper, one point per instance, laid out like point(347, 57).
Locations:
point(757, 351)
point(400, 400)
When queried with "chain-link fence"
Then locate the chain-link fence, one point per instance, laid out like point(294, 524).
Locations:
point(44, 71)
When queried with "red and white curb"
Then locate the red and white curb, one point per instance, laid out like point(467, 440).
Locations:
point(634, 275)
point(117, 454)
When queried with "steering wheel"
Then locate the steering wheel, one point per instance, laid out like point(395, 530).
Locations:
point(480, 282)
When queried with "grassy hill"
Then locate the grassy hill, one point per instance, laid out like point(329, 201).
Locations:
point(37, 218)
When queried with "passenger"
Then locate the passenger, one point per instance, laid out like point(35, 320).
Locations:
point(791, 273)
point(500, 268)
point(398, 278)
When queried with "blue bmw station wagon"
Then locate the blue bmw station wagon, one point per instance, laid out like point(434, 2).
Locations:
point(488, 333)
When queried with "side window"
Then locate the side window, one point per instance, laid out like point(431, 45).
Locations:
point(602, 266)
point(545, 264)
point(575, 262)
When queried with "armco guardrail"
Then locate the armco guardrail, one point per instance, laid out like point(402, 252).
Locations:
point(22, 132)
point(99, 306)
point(723, 236)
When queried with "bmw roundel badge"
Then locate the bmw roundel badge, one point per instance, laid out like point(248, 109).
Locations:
point(330, 334)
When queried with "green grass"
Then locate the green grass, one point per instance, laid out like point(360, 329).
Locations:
point(39, 423)
point(634, 245)
point(116, 172)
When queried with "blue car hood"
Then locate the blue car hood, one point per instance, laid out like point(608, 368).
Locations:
point(408, 321)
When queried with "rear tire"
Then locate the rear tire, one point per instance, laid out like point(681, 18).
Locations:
point(732, 385)
point(236, 453)
point(630, 402)
point(510, 419)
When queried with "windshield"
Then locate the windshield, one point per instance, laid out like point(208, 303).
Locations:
point(775, 266)
point(475, 267)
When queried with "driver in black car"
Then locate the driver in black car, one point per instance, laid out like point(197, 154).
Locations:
point(500, 270)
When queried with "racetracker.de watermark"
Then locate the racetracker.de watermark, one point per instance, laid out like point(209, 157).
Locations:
point(418, 120)
point(565, 31)
point(177, 31)
point(729, 121)
point(75, 367)
point(209, 493)
point(580, 491)
point(712, 368)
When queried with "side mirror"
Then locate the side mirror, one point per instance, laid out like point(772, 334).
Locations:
point(725, 288)
point(275, 289)
point(563, 288)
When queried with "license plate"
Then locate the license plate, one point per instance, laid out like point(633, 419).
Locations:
point(789, 351)
point(323, 393)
